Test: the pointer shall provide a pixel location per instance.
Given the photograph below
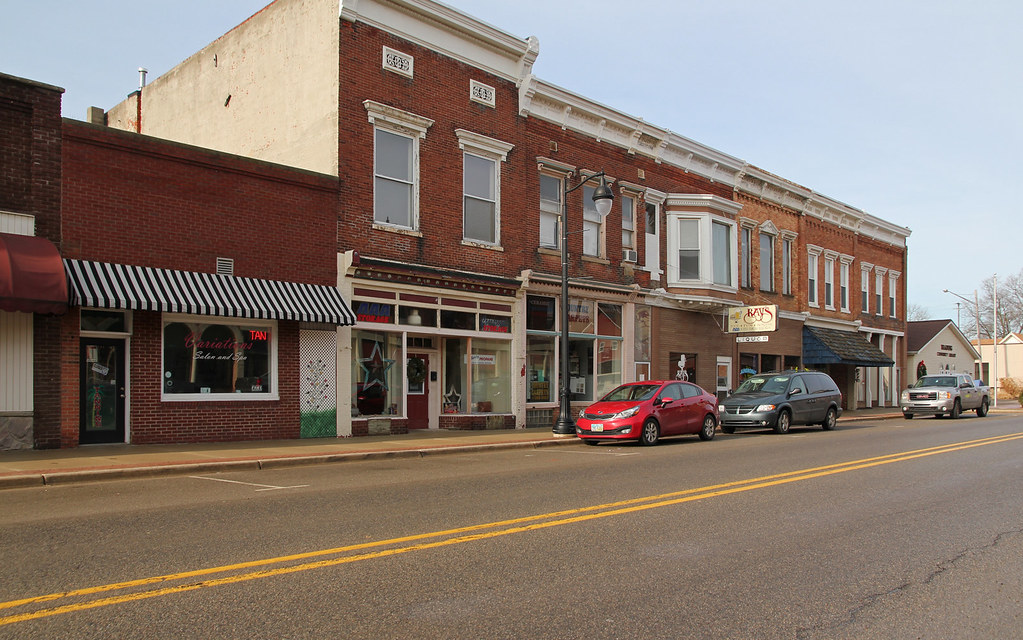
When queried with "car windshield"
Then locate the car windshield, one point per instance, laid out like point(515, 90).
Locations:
point(634, 392)
point(936, 381)
point(764, 384)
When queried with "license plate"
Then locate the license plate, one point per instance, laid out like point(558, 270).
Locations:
point(596, 427)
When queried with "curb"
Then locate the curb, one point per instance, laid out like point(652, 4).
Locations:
point(53, 478)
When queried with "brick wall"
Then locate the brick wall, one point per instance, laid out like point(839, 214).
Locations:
point(137, 200)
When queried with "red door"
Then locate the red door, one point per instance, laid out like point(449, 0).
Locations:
point(418, 391)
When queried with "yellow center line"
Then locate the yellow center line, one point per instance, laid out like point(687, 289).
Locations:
point(459, 535)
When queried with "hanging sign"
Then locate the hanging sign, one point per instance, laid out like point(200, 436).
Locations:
point(749, 319)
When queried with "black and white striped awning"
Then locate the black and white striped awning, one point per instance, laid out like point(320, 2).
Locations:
point(119, 286)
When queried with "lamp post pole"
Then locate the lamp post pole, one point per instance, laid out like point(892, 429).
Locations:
point(602, 198)
point(976, 321)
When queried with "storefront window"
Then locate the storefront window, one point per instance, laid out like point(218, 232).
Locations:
point(609, 365)
point(609, 319)
point(201, 357)
point(376, 381)
point(580, 369)
point(540, 368)
point(580, 316)
point(490, 370)
point(540, 313)
point(456, 394)
point(457, 320)
point(417, 316)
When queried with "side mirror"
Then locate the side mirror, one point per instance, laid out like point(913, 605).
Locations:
point(795, 391)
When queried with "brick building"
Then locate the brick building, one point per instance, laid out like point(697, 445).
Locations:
point(455, 166)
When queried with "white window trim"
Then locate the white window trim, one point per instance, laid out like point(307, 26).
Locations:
point(788, 237)
point(768, 229)
point(274, 394)
point(879, 273)
point(829, 279)
point(490, 149)
point(405, 124)
point(845, 282)
point(865, 269)
point(746, 228)
point(706, 225)
point(814, 252)
point(893, 301)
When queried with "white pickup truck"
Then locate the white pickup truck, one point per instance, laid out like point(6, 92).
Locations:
point(945, 394)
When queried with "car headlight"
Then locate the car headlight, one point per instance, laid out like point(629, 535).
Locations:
point(765, 407)
point(905, 396)
point(721, 408)
point(628, 413)
point(944, 395)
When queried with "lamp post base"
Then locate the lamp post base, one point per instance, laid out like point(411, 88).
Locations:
point(564, 428)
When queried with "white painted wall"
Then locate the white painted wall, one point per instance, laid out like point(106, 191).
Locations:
point(267, 89)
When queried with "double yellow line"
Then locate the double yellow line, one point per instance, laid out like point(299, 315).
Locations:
point(152, 587)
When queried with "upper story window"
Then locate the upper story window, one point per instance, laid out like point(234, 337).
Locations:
point(628, 225)
point(593, 224)
point(893, 279)
point(829, 279)
point(702, 246)
point(746, 252)
point(551, 188)
point(396, 140)
point(843, 282)
point(865, 268)
point(812, 274)
point(705, 247)
point(879, 274)
point(481, 186)
point(767, 235)
point(788, 240)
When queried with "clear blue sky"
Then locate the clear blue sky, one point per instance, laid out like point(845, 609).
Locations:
point(909, 110)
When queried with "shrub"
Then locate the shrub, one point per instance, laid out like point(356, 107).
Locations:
point(1010, 388)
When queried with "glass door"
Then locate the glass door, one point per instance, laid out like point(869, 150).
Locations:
point(102, 396)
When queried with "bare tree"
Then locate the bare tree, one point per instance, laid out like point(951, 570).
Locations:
point(1010, 306)
point(915, 312)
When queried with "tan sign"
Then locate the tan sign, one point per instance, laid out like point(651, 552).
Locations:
point(748, 319)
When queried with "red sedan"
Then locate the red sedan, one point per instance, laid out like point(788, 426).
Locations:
point(646, 411)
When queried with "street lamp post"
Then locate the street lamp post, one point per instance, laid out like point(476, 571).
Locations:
point(602, 199)
point(976, 311)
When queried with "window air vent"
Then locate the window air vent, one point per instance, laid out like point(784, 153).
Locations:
point(225, 266)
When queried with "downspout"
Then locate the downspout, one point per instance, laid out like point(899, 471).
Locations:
point(138, 102)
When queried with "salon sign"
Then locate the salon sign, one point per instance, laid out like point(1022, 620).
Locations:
point(748, 319)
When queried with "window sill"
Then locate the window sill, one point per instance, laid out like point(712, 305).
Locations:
point(548, 251)
point(404, 231)
point(481, 245)
point(595, 259)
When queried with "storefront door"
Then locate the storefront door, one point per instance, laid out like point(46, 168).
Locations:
point(102, 395)
point(418, 403)
point(724, 377)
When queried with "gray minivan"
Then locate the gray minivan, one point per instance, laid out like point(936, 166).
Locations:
point(782, 399)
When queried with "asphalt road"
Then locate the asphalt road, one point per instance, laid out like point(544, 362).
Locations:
point(888, 529)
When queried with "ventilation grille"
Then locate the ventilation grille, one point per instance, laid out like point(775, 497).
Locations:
point(225, 266)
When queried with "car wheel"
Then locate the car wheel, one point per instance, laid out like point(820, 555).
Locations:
point(710, 425)
point(956, 410)
point(982, 409)
point(830, 420)
point(727, 428)
point(907, 416)
point(650, 433)
point(783, 423)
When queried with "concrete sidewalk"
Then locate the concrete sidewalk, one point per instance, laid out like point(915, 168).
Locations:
point(32, 468)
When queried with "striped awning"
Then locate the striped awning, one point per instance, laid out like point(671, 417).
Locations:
point(119, 286)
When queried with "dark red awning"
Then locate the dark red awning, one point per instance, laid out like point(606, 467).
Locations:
point(32, 277)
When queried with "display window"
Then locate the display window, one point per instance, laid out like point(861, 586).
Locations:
point(540, 352)
point(218, 359)
point(376, 381)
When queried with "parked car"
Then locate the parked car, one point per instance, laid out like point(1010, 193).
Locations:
point(782, 399)
point(945, 394)
point(646, 411)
